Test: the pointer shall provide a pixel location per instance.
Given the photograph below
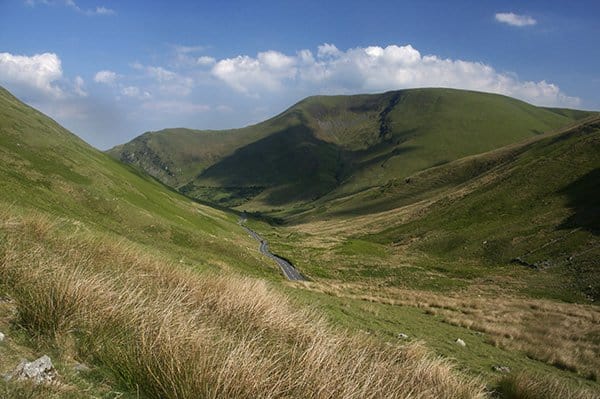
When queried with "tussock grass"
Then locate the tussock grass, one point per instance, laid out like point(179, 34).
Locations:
point(525, 386)
point(561, 334)
point(171, 333)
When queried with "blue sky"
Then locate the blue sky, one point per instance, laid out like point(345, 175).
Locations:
point(109, 70)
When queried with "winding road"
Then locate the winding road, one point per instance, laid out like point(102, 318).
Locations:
point(286, 267)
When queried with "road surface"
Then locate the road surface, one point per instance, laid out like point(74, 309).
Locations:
point(286, 267)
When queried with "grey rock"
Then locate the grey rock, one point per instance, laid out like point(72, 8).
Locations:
point(2, 336)
point(501, 369)
point(40, 371)
point(402, 336)
point(460, 342)
point(80, 367)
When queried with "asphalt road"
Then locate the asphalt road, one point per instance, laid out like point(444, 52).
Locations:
point(286, 267)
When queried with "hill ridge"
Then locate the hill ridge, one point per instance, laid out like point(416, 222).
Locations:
point(335, 145)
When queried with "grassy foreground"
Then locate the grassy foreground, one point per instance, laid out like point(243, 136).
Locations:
point(164, 331)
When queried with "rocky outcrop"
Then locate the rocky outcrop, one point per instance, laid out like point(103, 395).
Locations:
point(39, 371)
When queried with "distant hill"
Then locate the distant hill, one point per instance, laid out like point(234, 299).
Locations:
point(336, 145)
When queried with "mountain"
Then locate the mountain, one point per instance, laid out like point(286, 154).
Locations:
point(336, 145)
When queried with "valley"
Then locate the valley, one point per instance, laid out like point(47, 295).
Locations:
point(447, 238)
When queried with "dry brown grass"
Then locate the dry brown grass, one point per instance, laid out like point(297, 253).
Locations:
point(562, 334)
point(525, 386)
point(172, 333)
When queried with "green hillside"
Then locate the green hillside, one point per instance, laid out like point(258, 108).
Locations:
point(536, 205)
point(46, 168)
point(531, 205)
point(335, 145)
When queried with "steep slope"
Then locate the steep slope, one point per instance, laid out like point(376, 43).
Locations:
point(47, 168)
point(538, 208)
point(336, 145)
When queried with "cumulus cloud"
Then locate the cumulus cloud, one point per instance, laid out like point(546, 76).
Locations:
point(100, 10)
point(374, 68)
point(245, 74)
point(32, 76)
point(513, 19)
point(106, 77)
point(328, 50)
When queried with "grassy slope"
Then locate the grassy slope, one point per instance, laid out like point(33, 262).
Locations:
point(540, 206)
point(336, 145)
point(45, 167)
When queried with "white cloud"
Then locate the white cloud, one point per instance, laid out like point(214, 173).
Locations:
point(103, 11)
point(205, 60)
point(246, 74)
point(515, 19)
point(327, 50)
point(135, 92)
point(181, 49)
point(79, 87)
point(371, 69)
point(32, 76)
point(100, 10)
point(161, 74)
point(184, 55)
point(170, 82)
point(106, 77)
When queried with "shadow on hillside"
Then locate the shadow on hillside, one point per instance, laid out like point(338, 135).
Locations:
point(295, 165)
point(293, 159)
point(584, 200)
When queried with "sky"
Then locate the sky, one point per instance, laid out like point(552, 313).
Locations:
point(109, 70)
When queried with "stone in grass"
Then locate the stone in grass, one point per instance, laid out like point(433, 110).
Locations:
point(40, 371)
point(81, 367)
point(501, 369)
point(460, 342)
point(2, 336)
point(402, 336)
